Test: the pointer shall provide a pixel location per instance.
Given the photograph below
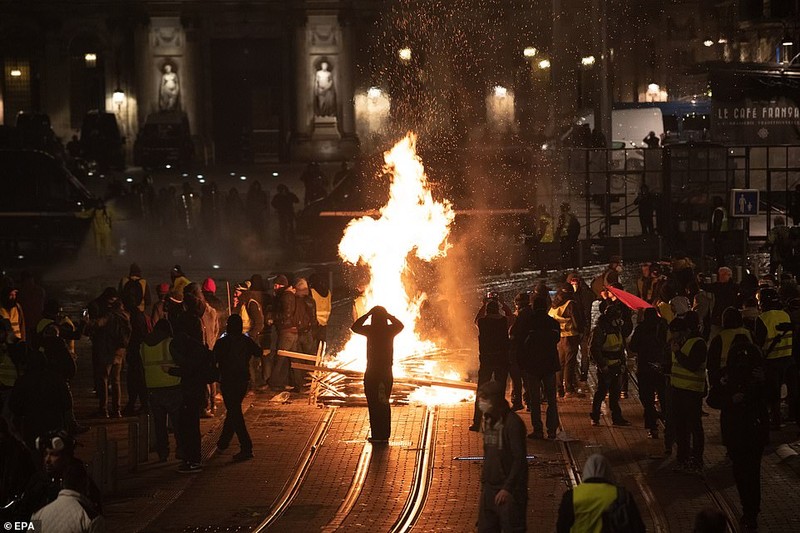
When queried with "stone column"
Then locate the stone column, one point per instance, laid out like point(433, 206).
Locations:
point(304, 106)
point(346, 91)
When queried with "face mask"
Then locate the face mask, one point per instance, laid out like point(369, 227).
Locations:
point(484, 405)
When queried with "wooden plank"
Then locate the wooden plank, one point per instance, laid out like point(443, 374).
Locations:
point(422, 382)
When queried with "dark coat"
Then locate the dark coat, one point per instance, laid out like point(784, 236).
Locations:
point(535, 337)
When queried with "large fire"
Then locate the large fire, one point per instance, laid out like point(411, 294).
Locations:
point(411, 223)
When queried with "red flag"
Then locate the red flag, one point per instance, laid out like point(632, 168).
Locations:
point(631, 300)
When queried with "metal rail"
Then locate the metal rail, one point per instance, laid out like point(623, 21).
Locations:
point(292, 486)
point(570, 464)
point(423, 475)
point(356, 486)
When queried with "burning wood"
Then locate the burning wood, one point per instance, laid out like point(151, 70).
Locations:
point(420, 382)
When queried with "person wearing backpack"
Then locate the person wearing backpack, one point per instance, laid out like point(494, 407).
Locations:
point(598, 505)
point(608, 353)
point(134, 283)
point(504, 478)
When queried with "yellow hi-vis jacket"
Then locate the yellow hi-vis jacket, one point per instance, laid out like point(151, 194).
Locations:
point(771, 319)
point(323, 307)
point(589, 500)
point(682, 378)
point(153, 358)
point(247, 324)
point(17, 319)
point(727, 336)
point(612, 348)
point(568, 325)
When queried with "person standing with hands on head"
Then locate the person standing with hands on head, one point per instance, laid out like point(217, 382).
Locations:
point(232, 356)
point(504, 478)
point(378, 378)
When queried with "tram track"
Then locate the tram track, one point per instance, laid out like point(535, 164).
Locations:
point(353, 493)
point(716, 496)
point(302, 467)
point(423, 475)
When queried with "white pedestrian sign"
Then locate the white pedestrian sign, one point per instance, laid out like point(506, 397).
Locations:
point(744, 202)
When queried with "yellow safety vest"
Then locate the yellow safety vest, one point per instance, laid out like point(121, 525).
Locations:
point(665, 311)
point(727, 336)
point(547, 235)
point(246, 322)
point(612, 348)
point(771, 319)
point(589, 500)
point(681, 378)
point(568, 328)
point(323, 307)
point(42, 325)
point(153, 358)
point(142, 283)
point(8, 371)
point(14, 315)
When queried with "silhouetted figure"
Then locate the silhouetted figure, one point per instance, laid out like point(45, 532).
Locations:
point(568, 232)
point(378, 378)
point(647, 207)
point(652, 140)
point(283, 202)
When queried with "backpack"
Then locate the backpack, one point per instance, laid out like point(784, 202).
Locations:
point(618, 518)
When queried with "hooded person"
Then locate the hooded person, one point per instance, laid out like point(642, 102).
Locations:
point(569, 317)
point(12, 311)
point(582, 507)
point(283, 315)
point(321, 293)
point(221, 307)
point(232, 356)
point(648, 345)
point(135, 279)
point(504, 476)
point(493, 350)
point(305, 321)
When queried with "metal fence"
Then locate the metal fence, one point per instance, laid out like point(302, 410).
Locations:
point(601, 185)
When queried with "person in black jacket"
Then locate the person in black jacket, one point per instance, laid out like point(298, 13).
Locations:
point(744, 421)
point(137, 389)
point(492, 352)
point(232, 356)
point(194, 364)
point(378, 378)
point(649, 344)
point(504, 477)
point(535, 336)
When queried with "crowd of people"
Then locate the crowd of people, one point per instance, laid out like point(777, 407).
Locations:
point(684, 336)
point(183, 351)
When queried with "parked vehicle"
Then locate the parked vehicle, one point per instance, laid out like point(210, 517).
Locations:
point(40, 201)
point(101, 140)
point(164, 140)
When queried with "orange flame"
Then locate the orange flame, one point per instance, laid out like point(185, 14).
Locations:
point(411, 223)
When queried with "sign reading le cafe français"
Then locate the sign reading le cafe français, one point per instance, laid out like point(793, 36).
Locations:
point(755, 107)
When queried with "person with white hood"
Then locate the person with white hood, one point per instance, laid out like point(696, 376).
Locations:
point(582, 507)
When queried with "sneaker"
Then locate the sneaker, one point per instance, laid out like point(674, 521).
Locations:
point(190, 468)
point(475, 427)
point(621, 422)
point(536, 435)
point(242, 456)
point(595, 419)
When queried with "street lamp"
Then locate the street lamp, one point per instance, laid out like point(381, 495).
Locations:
point(587, 61)
point(118, 98)
point(90, 59)
point(544, 64)
point(530, 51)
point(15, 73)
point(708, 43)
point(404, 54)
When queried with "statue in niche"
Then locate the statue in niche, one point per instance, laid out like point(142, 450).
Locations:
point(169, 90)
point(324, 91)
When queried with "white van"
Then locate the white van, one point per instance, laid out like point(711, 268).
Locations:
point(630, 126)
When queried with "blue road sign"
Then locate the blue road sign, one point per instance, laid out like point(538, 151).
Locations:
point(744, 202)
